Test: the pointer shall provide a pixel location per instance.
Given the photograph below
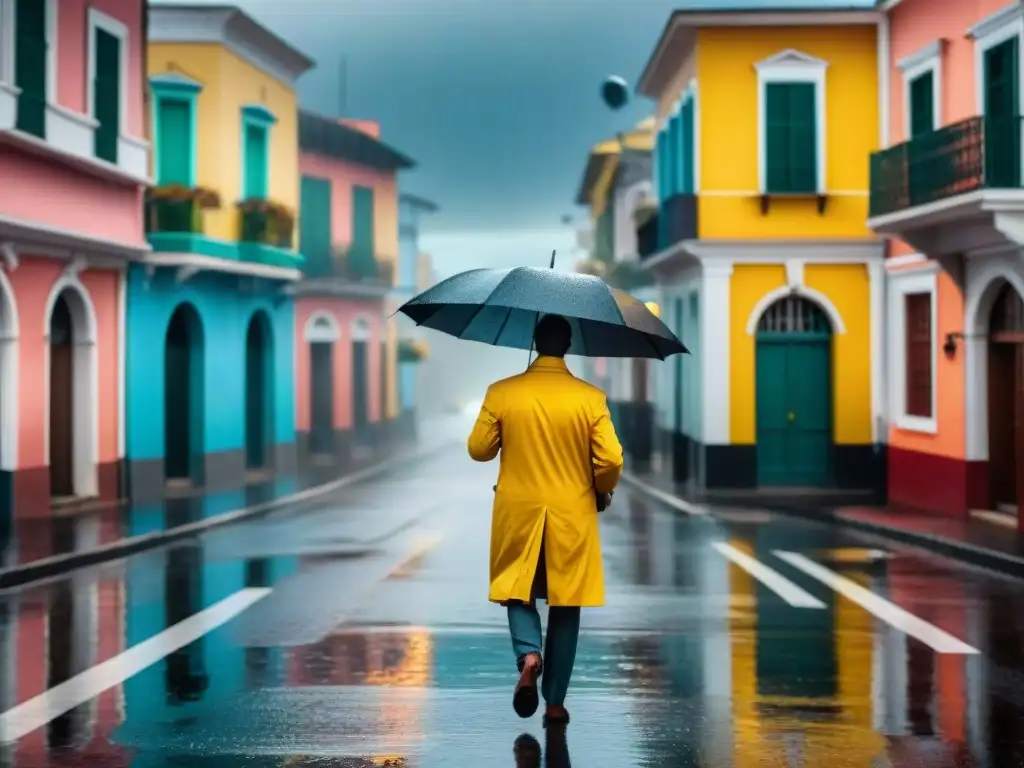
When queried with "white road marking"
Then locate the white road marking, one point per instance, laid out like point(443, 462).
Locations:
point(891, 614)
point(37, 712)
point(775, 581)
point(666, 498)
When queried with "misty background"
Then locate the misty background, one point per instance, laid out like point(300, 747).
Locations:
point(498, 102)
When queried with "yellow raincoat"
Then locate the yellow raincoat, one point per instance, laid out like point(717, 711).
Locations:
point(557, 445)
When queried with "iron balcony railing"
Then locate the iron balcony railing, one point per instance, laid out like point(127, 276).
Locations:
point(977, 153)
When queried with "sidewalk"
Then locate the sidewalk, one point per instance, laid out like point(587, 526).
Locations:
point(975, 539)
point(44, 547)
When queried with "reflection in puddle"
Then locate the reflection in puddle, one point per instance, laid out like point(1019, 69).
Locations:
point(185, 674)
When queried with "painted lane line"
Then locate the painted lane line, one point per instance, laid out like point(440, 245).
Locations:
point(665, 498)
point(37, 712)
point(775, 581)
point(908, 623)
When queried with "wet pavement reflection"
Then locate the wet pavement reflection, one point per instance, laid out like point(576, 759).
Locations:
point(361, 636)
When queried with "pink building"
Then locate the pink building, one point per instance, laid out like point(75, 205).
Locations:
point(74, 164)
point(948, 191)
point(344, 370)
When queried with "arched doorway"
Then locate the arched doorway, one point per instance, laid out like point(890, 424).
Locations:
point(1006, 399)
point(183, 396)
point(259, 396)
point(72, 410)
point(794, 394)
point(360, 381)
point(321, 332)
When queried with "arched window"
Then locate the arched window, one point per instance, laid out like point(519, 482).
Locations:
point(1007, 312)
point(794, 314)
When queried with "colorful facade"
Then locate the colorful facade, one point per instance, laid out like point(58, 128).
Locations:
point(617, 188)
point(947, 191)
point(345, 346)
point(73, 159)
point(767, 269)
point(209, 359)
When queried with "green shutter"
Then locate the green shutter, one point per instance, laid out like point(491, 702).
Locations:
point(30, 65)
point(174, 136)
point(922, 104)
point(315, 225)
point(1002, 114)
point(362, 249)
point(803, 138)
point(107, 95)
point(688, 148)
point(791, 148)
point(255, 162)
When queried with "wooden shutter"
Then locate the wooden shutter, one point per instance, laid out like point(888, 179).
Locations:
point(918, 314)
point(315, 226)
point(107, 95)
point(776, 137)
point(174, 142)
point(922, 104)
point(689, 177)
point(362, 250)
point(30, 54)
point(255, 162)
point(803, 138)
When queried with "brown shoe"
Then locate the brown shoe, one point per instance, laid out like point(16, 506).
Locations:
point(556, 716)
point(525, 700)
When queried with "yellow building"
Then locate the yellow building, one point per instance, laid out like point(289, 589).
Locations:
point(767, 269)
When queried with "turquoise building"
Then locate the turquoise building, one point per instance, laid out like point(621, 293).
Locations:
point(410, 210)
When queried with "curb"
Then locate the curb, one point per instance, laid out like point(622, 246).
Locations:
point(972, 554)
point(56, 565)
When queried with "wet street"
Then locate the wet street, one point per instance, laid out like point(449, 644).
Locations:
point(358, 633)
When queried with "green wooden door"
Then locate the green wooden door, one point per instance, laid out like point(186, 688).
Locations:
point(107, 95)
point(30, 55)
point(255, 159)
point(174, 137)
point(1002, 115)
point(362, 250)
point(794, 396)
point(315, 225)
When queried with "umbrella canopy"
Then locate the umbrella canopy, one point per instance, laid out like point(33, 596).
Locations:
point(501, 307)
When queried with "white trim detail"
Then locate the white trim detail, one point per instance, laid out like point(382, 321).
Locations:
point(896, 263)
point(983, 280)
point(884, 46)
point(791, 66)
point(928, 60)
point(9, 332)
point(7, 42)
point(70, 131)
point(715, 281)
point(322, 327)
point(990, 32)
point(99, 20)
point(362, 329)
point(85, 397)
point(52, 49)
point(877, 353)
point(902, 284)
point(817, 297)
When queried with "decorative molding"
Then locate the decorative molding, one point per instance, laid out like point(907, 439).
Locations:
point(922, 56)
point(361, 329)
point(74, 268)
point(202, 263)
point(812, 295)
point(995, 22)
point(322, 327)
point(257, 113)
point(794, 273)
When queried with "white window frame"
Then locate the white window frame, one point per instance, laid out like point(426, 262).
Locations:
point(791, 66)
point(904, 283)
point(927, 60)
point(99, 20)
point(9, 34)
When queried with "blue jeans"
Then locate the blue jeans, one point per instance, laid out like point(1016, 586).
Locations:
point(559, 649)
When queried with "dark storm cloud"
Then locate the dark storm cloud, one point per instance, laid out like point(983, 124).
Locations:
point(497, 100)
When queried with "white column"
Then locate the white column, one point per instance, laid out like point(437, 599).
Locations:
point(714, 350)
point(877, 306)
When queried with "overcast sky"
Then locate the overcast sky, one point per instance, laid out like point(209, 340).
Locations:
point(497, 100)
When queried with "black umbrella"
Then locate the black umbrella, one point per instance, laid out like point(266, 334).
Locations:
point(501, 307)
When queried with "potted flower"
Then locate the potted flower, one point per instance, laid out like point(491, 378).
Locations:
point(265, 221)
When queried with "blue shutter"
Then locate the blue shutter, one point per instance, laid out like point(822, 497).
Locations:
point(674, 154)
point(689, 171)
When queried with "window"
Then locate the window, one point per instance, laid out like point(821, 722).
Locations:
point(315, 237)
point(918, 313)
point(922, 88)
point(913, 356)
point(255, 143)
point(791, 124)
point(30, 64)
point(791, 164)
point(107, 77)
point(174, 134)
point(361, 254)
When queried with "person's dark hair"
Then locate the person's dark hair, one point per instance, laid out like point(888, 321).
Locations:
point(553, 336)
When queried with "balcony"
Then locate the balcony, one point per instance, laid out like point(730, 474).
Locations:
point(953, 190)
point(266, 233)
point(342, 270)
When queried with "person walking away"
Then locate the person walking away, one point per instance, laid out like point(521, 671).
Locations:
point(560, 463)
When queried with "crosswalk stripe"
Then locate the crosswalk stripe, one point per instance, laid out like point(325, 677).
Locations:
point(775, 581)
point(908, 623)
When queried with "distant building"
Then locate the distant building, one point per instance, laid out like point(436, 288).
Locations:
point(346, 373)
